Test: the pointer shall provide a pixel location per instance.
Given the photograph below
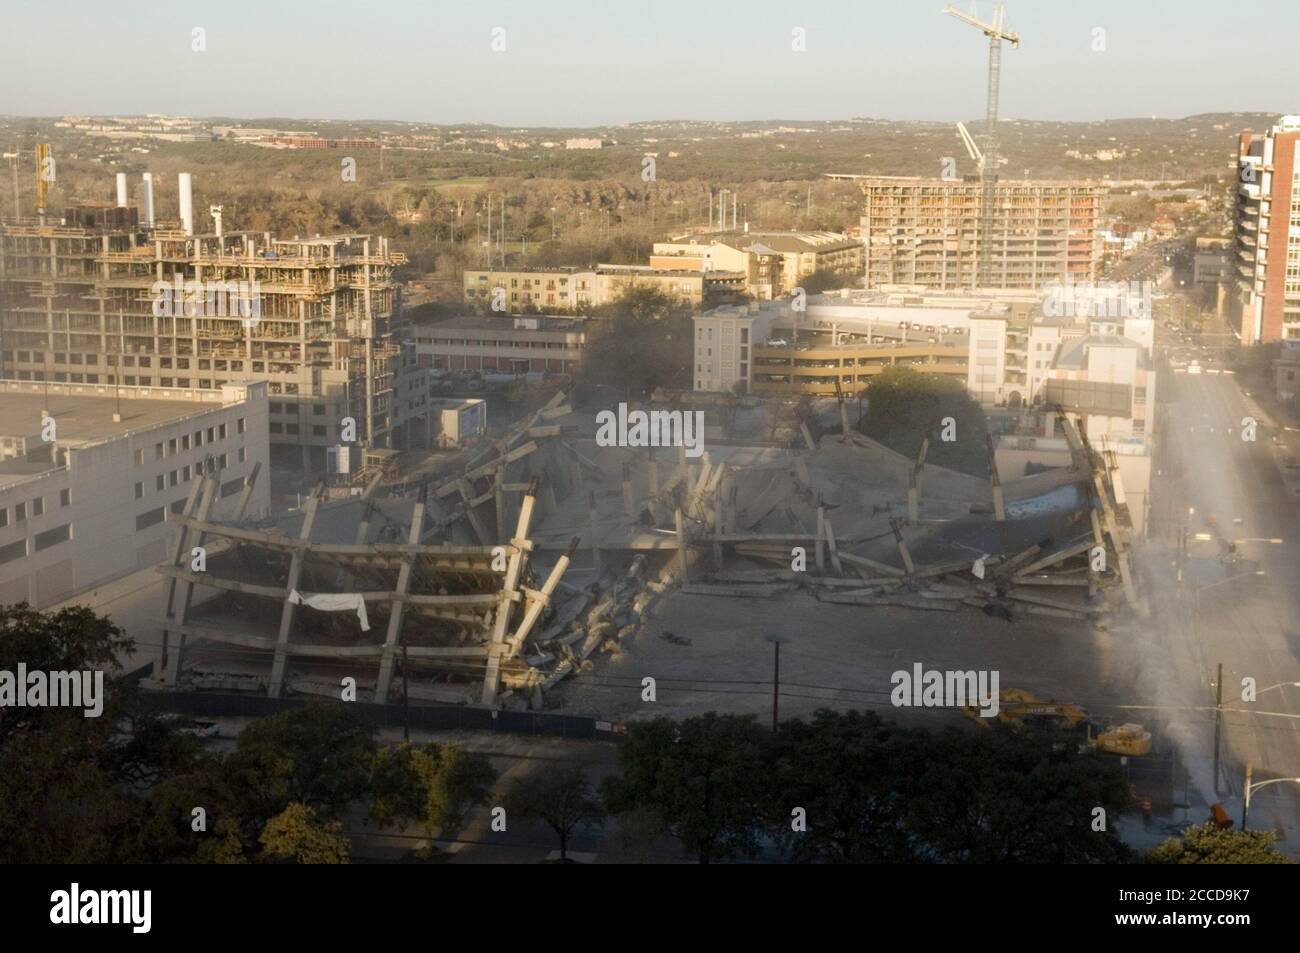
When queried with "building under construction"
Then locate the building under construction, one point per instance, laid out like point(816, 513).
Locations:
point(82, 301)
point(920, 231)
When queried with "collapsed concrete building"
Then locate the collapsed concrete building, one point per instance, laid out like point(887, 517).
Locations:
point(497, 577)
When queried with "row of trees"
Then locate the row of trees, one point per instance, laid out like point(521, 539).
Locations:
point(850, 787)
point(132, 786)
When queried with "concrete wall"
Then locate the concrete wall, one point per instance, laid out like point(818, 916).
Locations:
point(102, 510)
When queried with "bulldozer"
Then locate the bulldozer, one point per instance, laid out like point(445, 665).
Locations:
point(1018, 708)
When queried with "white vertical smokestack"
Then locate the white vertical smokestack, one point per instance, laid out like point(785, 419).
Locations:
point(148, 198)
point(121, 190)
point(186, 183)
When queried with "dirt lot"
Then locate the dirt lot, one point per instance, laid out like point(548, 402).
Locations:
point(835, 655)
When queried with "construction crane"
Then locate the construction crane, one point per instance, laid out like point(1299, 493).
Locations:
point(968, 140)
point(988, 160)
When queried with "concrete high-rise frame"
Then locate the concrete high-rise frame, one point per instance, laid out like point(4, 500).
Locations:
point(921, 231)
point(77, 305)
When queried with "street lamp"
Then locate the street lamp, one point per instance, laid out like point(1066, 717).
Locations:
point(1249, 788)
point(1278, 685)
point(1196, 592)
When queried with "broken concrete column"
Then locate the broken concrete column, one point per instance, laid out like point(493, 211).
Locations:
point(681, 546)
point(821, 540)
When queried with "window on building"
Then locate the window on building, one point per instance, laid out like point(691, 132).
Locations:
point(4, 516)
point(221, 431)
point(241, 456)
point(151, 518)
point(139, 457)
point(239, 425)
point(65, 497)
point(15, 550)
point(157, 451)
point(38, 506)
point(20, 512)
point(51, 537)
point(160, 482)
point(139, 490)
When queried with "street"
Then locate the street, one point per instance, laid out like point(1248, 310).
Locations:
point(1243, 610)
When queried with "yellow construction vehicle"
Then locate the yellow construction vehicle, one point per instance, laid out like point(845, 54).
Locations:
point(1018, 708)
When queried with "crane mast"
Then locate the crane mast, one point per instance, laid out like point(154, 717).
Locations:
point(989, 166)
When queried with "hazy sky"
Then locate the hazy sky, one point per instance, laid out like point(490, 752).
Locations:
point(595, 62)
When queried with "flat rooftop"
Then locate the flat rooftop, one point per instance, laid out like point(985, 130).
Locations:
point(88, 418)
point(506, 323)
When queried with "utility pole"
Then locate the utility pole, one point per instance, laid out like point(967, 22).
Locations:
point(1218, 723)
point(776, 682)
point(1245, 796)
point(776, 641)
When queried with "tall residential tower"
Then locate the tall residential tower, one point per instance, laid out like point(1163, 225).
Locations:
point(1266, 305)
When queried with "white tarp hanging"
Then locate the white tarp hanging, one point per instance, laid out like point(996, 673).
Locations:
point(334, 602)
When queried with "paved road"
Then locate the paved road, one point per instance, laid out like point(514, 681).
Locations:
point(1230, 613)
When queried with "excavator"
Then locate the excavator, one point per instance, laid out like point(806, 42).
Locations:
point(1018, 708)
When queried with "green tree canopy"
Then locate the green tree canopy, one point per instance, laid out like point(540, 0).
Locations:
point(850, 772)
point(703, 776)
point(1208, 844)
point(561, 797)
point(431, 785)
point(328, 747)
point(295, 834)
point(905, 406)
point(639, 342)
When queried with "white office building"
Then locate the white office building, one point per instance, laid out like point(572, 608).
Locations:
point(91, 476)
